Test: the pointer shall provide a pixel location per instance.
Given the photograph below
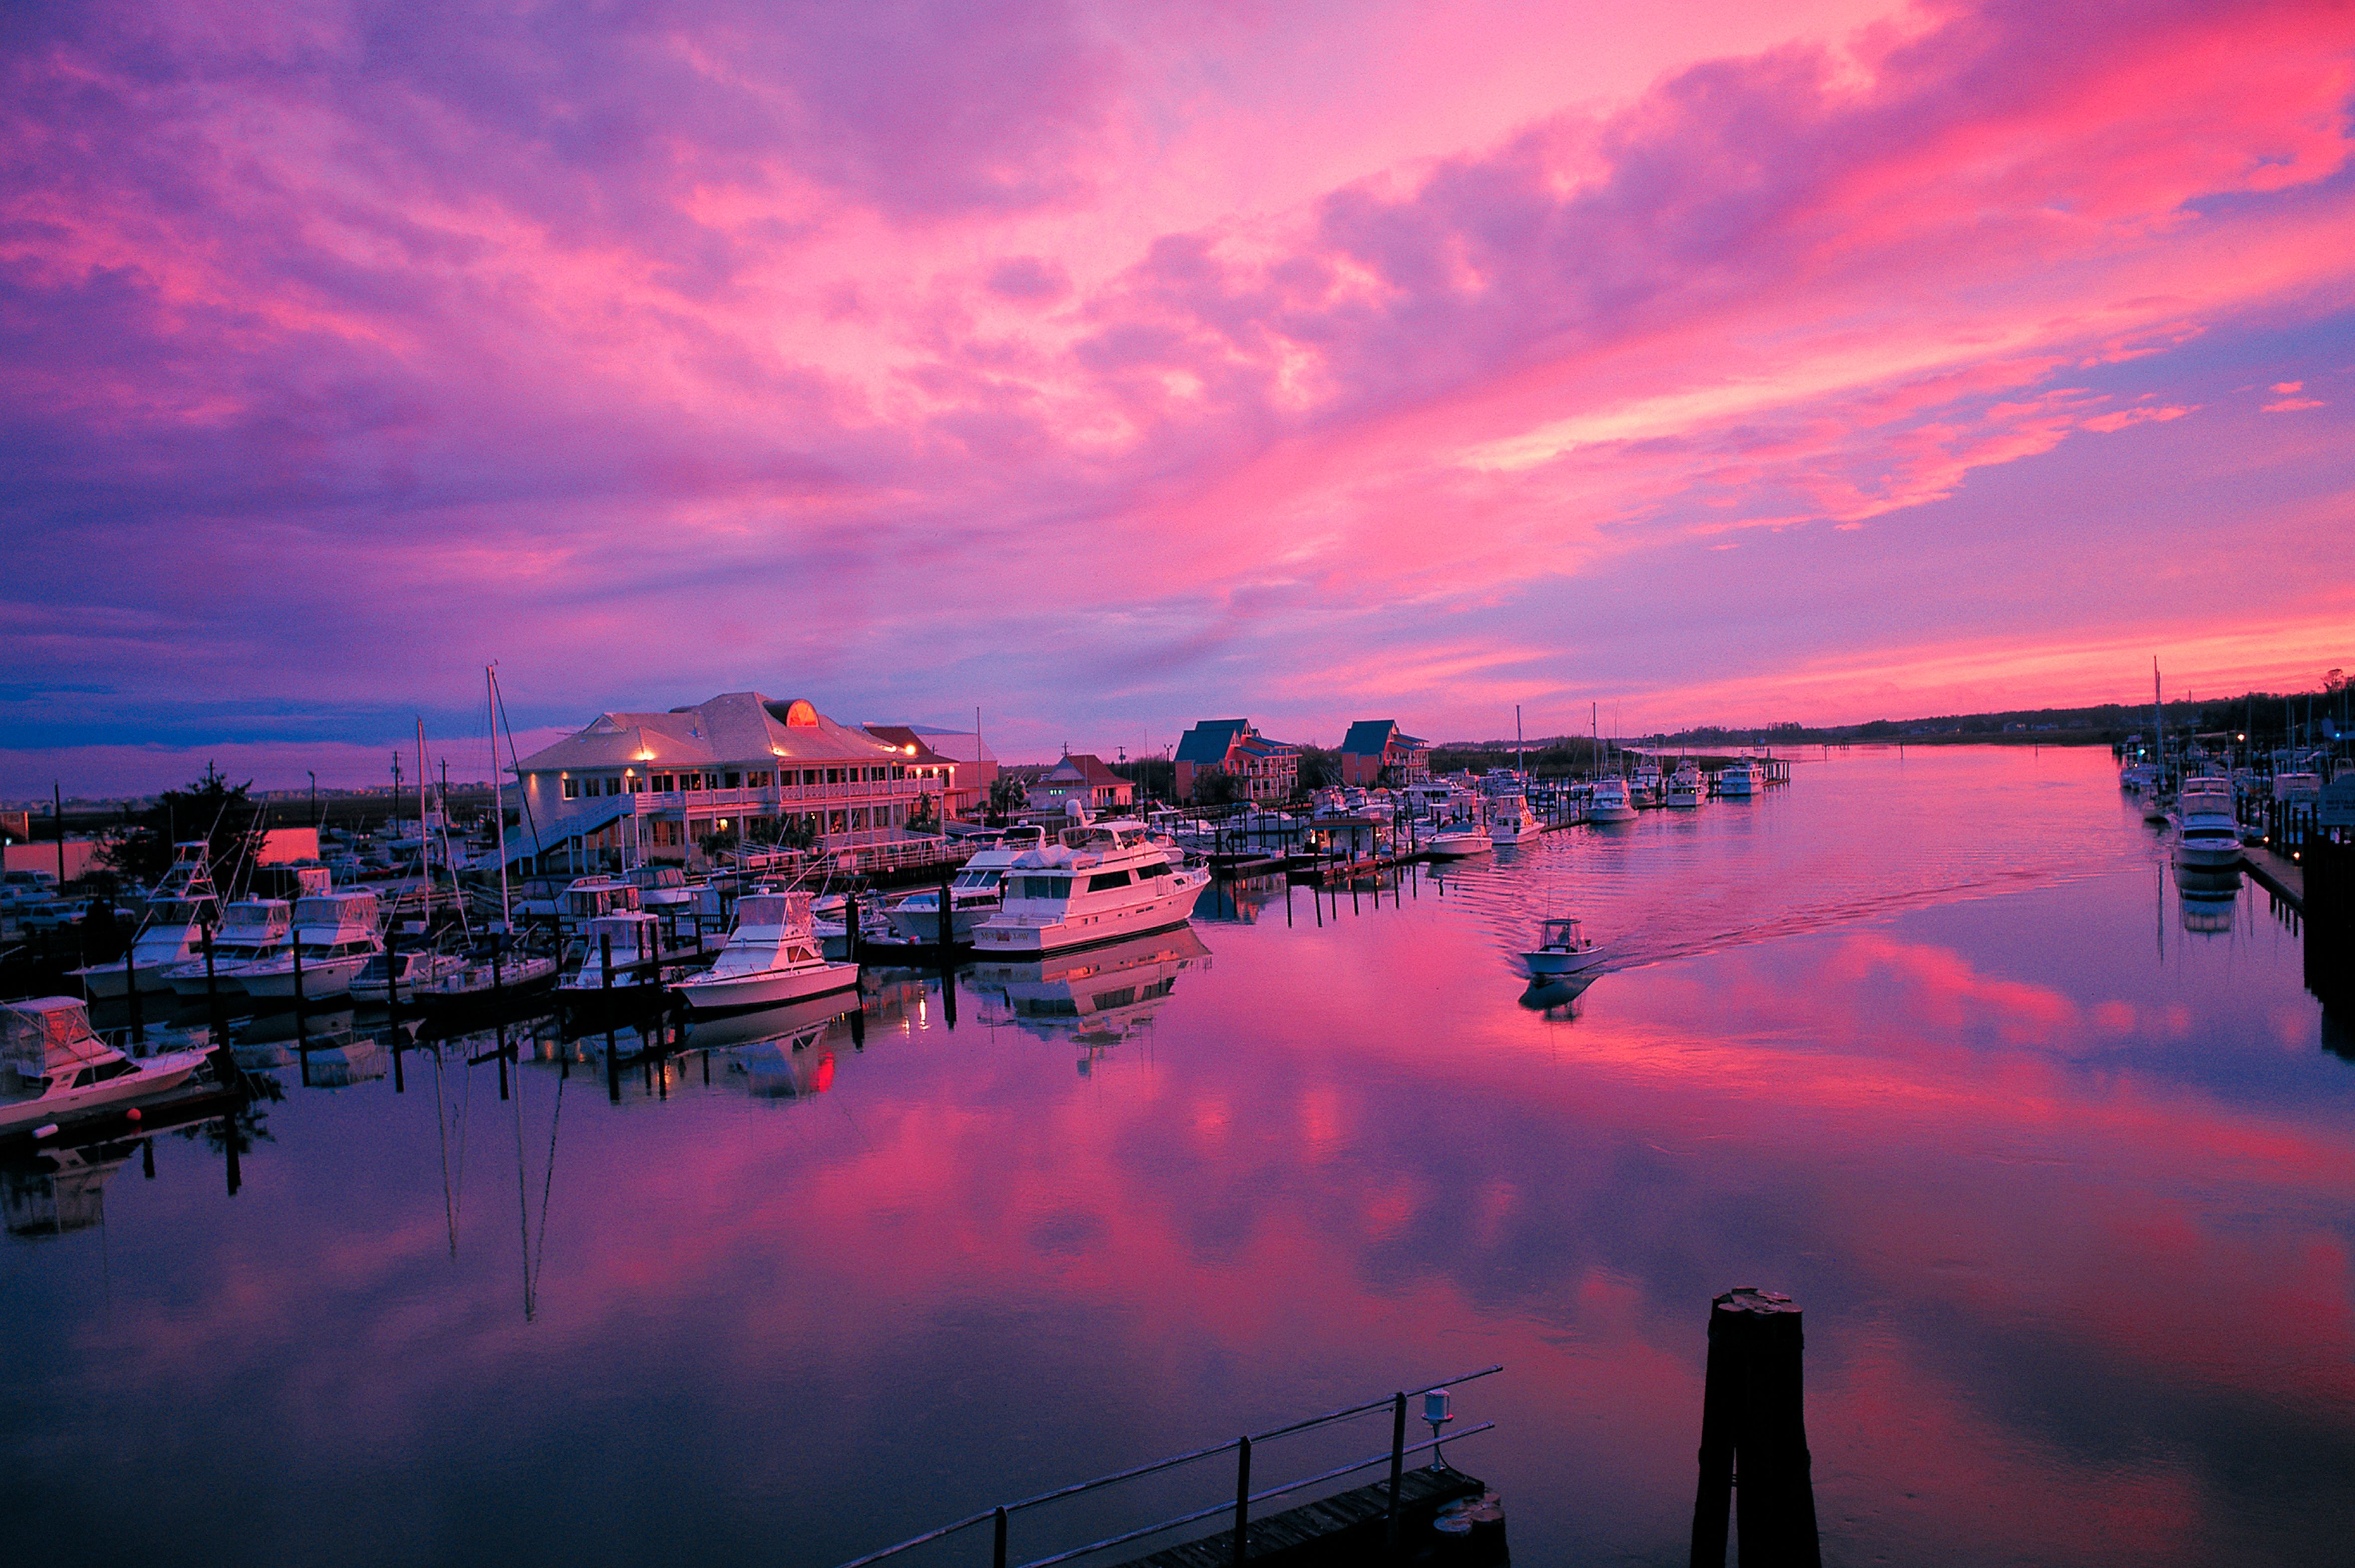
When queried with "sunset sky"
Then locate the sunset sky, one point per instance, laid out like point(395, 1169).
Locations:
point(1113, 366)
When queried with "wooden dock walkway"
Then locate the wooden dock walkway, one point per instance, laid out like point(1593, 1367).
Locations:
point(2278, 874)
point(1348, 1528)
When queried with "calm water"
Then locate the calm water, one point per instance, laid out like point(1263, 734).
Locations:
point(2057, 1161)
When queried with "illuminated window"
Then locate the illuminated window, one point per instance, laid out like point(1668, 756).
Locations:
point(571, 789)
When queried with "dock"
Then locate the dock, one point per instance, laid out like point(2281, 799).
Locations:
point(1349, 1528)
point(2277, 874)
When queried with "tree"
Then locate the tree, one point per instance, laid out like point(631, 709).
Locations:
point(1007, 797)
point(1319, 769)
point(1216, 786)
point(223, 815)
point(924, 817)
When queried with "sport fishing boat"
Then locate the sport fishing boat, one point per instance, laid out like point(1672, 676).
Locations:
point(336, 934)
point(1611, 801)
point(976, 894)
point(772, 957)
point(1685, 787)
point(252, 931)
point(1645, 784)
point(488, 973)
point(634, 943)
point(1562, 948)
point(2207, 836)
point(1738, 781)
point(391, 977)
point(1509, 819)
point(1097, 882)
point(53, 1067)
point(1458, 841)
point(170, 933)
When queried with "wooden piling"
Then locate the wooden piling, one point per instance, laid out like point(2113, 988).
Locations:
point(1752, 1416)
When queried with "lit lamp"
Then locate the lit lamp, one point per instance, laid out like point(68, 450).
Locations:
point(1438, 1410)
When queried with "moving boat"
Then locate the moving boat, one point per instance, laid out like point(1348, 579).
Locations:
point(52, 1066)
point(1562, 948)
point(1738, 781)
point(1097, 882)
point(1610, 802)
point(974, 894)
point(170, 933)
point(2207, 836)
point(252, 931)
point(772, 957)
point(336, 934)
point(1685, 787)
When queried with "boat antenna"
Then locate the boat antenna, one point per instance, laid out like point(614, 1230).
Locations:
point(499, 795)
point(523, 796)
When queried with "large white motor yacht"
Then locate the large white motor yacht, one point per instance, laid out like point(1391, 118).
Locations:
point(1611, 801)
point(772, 956)
point(52, 1066)
point(1685, 787)
point(1738, 781)
point(1097, 882)
point(976, 894)
point(336, 934)
point(170, 933)
point(2206, 835)
point(252, 931)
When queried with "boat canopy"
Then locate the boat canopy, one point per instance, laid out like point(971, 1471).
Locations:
point(791, 910)
point(45, 1035)
point(336, 909)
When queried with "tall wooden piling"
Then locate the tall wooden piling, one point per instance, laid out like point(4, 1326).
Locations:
point(1752, 1417)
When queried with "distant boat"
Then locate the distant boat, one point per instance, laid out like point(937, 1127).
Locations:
point(1510, 818)
point(2207, 836)
point(52, 1066)
point(1611, 801)
point(1562, 948)
point(1685, 787)
point(1458, 841)
point(772, 957)
point(252, 931)
point(1738, 781)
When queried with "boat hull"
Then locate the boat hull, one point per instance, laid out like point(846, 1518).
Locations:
point(107, 981)
point(156, 1075)
point(922, 925)
point(1001, 937)
point(225, 982)
point(766, 987)
point(1549, 964)
point(2208, 855)
point(1612, 813)
point(328, 978)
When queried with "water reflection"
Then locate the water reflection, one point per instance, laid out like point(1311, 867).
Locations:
point(2069, 1216)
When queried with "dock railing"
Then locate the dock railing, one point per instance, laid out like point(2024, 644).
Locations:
point(1239, 1504)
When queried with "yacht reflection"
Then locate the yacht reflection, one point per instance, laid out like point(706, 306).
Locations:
point(61, 1190)
point(794, 1021)
point(1557, 999)
point(2209, 896)
point(1098, 997)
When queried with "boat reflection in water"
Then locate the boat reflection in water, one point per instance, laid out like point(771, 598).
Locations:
point(60, 1191)
point(772, 1047)
point(1094, 999)
point(1557, 997)
point(2209, 897)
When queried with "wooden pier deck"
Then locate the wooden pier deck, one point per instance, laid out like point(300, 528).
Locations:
point(2278, 874)
point(1348, 1528)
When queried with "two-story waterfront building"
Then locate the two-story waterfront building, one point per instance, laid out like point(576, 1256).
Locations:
point(1376, 746)
point(1082, 776)
point(632, 787)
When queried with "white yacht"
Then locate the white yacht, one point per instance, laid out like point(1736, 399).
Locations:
point(1685, 787)
point(1095, 883)
point(336, 934)
point(170, 933)
point(1458, 841)
point(772, 956)
point(1645, 784)
point(1611, 801)
point(53, 1066)
point(1740, 780)
point(2206, 834)
point(391, 977)
point(974, 894)
point(252, 931)
point(1510, 820)
point(1563, 948)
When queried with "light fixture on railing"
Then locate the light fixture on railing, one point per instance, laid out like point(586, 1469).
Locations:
point(1438, 1410)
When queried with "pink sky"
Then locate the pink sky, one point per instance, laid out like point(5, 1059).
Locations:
point(1110, 368)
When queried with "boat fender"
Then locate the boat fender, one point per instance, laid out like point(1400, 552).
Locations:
point(132, 1114)
point(46, 1130)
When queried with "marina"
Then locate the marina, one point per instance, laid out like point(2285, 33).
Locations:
point(1829, 1022)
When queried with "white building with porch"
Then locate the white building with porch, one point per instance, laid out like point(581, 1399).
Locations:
point(637, 787)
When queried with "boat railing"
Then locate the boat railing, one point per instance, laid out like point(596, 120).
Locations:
point(1000, 1516)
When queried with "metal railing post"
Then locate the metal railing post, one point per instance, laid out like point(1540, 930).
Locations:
point(1243, 1500)
point(1398, 1461)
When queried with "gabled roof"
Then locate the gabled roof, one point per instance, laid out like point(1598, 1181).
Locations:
point(1207, 743)
point(734, 727)
point(901, 737)
point(1261, 746)
point(1372, 737)
point(1082, 768)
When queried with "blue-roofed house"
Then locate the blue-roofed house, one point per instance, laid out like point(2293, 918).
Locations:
point(1263, 769)
point(1376, 746)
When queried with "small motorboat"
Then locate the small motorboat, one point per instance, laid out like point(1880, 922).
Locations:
point(53, 1067)
point(1458, 841)
point(1563, 948)
point(773, 956)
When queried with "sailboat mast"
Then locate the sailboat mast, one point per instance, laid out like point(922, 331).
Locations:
point(498, 795)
